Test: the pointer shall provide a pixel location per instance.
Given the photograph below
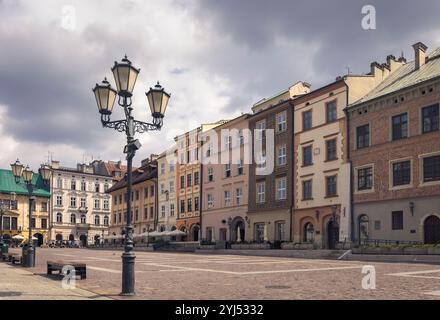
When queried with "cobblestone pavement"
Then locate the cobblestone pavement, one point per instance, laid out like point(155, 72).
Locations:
point(204, 276)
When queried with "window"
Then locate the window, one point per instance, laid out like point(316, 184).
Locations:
point(97, 204)
point(430, 116)
point(120, 199)
point(397, 220)
point(210, 175)
point(171, 186)
point(363, 136)
point(182, 182)
point(377, 225)
point(172, 210)
point(227, 198)
point(331, 114)
point(281, 184)
point(172, 166)
point(59, 201)
point(151, 212)
point(114, 218)
point(240, 167)
point(60, 183)
point(209, 150)
point(240, 137)
point(97, 187)
point(106, 204)
point(83, 185)
point(162, 168)
point(331, 186)
point(73, 202)
point(401, 173)
point(59, 217)
point(182, 158)
point(14, 223)
point(145, 193)
point(365, 178)
point(162, 188)
point(152, 191)
point(279, 230)
point(261, 192)
point(259, 232)
point(307, 120)
point(120, 217)
point(210, 200)
point(281, 119)
point(136, 215)
point(228, 142)
point(72, 184)
point(282, 156)
point(307, 156)
point(137, 194)
point(145, 213)
point(162, 211)
point(307, 190)
point(227, 170)
point(189, 204)
point(196, 154)
point(82, 202)
point(188, 156)
point(400, 126)
point(260, 129)
point(431, 169)
point(73, 218)
point(43, 206)
point(106, 187)
point(97, 220)
point(182, 206)
point(196, 178)
point(189, 180)
point(115, 200)
point(196, 203)
point(33, 223)
point(83, 219)
point(331, 152)
point(238, 196)
point(106, 221)
point(6, 223)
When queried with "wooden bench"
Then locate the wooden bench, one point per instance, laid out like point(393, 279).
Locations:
point(80, 268)
point(14, 258)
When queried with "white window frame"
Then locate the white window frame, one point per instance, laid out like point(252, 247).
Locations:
point(281, 188)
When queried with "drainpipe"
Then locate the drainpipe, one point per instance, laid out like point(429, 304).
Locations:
point(201, 190)
point(292, 177)
point(156, 200)
point(347, 119)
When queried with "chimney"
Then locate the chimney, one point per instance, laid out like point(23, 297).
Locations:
point(376, 69)
point(419, 52)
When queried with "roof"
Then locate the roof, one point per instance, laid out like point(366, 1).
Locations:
point(8, 185)
point(406, 76)
point(140, 175)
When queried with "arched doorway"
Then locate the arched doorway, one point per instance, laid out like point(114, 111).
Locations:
point(195, 232)
point(332, 234)
point(39, 240)
point(308, 232)
point(185, 237)
point(238, 224)
point(71, 239)
point(83, 240)
point(431, 229)
point(97, 238)
point(59, 238)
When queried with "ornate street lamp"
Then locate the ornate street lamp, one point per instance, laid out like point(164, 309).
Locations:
point(125, 77)
point(27, 174)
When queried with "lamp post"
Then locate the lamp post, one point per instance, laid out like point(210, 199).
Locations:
point(19, 171)
point(125, 77)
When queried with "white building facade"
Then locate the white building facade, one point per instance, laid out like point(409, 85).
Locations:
point(80, 208)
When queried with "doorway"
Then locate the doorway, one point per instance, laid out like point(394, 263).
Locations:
point(332, 234)
point(431, 228)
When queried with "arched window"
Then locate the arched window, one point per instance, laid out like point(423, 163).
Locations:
point(309, 232)
point(97, 220)
point(83, 218)
point(73, 218)
point(59, 217)
point(106, 220)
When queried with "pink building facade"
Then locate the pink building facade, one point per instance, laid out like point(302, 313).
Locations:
point(225, 181)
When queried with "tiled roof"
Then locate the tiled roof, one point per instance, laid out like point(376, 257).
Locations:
point(406, 76)
point(141, 174)
point(8, 185)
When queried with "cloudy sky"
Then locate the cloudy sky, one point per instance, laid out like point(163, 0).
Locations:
point(216, 58)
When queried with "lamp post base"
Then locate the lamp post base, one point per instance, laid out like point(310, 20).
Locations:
point(29, 257)
point(128, 278)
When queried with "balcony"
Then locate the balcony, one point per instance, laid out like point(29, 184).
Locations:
point(83, 209)
point(83, 226)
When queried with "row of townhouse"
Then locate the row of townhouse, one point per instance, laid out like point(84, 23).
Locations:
point(354, 160)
